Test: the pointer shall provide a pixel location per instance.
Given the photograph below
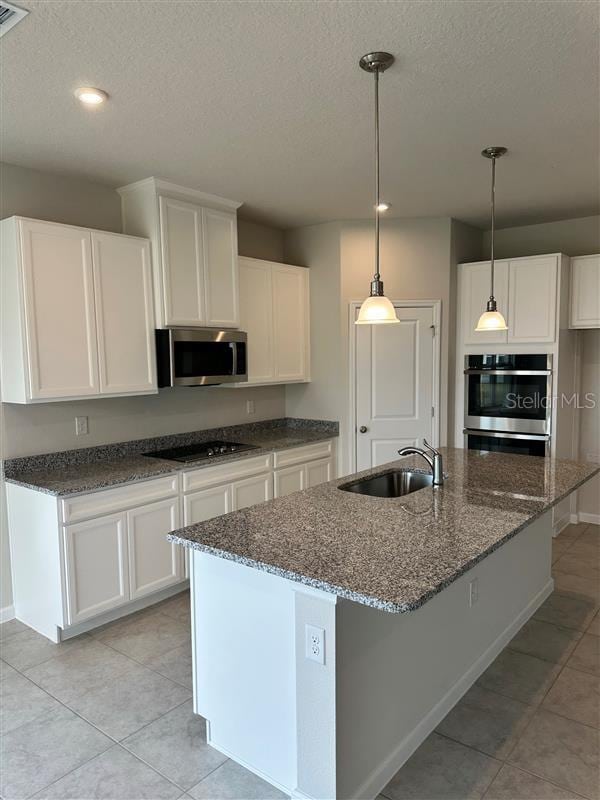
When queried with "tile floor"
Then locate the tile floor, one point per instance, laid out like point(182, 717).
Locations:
point(109, 714)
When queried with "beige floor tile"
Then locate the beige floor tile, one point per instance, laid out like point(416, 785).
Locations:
point(547, 641)
point(175, 745)
point(44, 750)
point(6, 670)
point(585, 548)
point(113, 775)
point(487, 721)
point(79, 671)
point(232, 782)
point(445, 770)
point(178, 607)
point(567, 611)
point(519, 676)
point(571, 533)
point(22, 701)
point(558, 549)
point(134, 699)
point(576, 586)
point(514, 784)
point(578, 563)
point(561, 751)
point(575, 695)
point(586, 656)
point(591, 536)
point(28, 648)
point(146, 636)
point(8, 629)
point(176, 664)
point(594, 627)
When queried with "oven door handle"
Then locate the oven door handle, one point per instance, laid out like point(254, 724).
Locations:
point(501, 435)
point(508, 372)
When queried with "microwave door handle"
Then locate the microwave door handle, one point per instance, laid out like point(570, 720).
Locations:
point(233, 346)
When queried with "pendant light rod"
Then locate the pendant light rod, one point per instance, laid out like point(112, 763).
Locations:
point(493, 153)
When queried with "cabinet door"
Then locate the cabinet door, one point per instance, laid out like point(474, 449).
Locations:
point(96, 567)
point(319, 472)
point(290, 323)
point(256, 318)
point(206, 504)
point(532, 301)
point(182, 254)
point(153, 561)
point(221, 269)
point(289, 480)
point(585, 292)
point(59, 310)
point(124, 314)
point(250, 491)
point(474, 288)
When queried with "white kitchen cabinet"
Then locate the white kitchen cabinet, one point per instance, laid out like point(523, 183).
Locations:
point(251, 491)
point(585, 292)
point(303, 467)
point(319, 472)
point(274, 311)
point(532, 300)
point(77, 317)
point(154, 563)
point(95, 566)
point(194, 252)
point(206, 504)
point(289, 480)
point(474, 292)
point(124, 314)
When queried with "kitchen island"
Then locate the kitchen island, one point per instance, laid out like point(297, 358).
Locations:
point(333, 631)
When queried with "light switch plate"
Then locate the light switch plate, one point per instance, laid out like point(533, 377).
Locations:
point(81, 426)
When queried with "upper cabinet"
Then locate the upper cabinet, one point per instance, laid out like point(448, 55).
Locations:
point(585, 292)
point(77, 318)
point(527, 293)
point(194, 252)
point(274, 311)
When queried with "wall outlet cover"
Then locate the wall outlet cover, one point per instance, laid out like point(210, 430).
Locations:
point(315, 644)
point(81, 426)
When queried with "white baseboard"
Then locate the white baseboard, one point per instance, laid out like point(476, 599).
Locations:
point(593, 519)
point(383, 774)
point(561, 524)
point(7, 613)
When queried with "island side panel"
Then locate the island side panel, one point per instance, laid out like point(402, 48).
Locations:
point(399, 675)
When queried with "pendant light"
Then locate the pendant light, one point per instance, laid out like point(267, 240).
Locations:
point(492, 319)
point(376, 309)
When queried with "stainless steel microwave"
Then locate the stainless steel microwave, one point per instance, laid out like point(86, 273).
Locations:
point(200, 357)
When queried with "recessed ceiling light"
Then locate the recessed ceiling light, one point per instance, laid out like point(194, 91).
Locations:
point(90, 96)
point(383, 206)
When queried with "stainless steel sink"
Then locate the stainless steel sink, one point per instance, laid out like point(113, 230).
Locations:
point(395, 483)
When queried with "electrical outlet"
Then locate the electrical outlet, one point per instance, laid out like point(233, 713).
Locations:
point(473, 592)
point(315, 644)
point(249, 406)
point(81, 426)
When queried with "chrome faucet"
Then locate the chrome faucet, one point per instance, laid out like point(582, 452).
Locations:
point(434, 460)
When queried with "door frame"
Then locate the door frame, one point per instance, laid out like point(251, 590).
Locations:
point(436, 307)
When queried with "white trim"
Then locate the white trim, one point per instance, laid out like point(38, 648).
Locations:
point(592, 519)
point(436, 307)
point(160, 185)
point(7, 613)
point(561, 524)
point(381, 776)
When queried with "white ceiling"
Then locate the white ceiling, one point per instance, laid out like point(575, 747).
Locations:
point(264, 102)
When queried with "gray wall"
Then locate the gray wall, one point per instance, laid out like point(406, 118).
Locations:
point(47, 427)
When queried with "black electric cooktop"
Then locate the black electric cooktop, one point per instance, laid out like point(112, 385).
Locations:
point(194, 452)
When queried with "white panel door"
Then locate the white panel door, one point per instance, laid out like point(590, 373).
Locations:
point(290, 323)
point(585, 292)
point(206, 504)
point(289, 480)
point(256, 318)
point(124, 313)
point(59, 310)
point(221, 269)
point(532, 302)
point(394, 386)
point(474, 289)
point(319, 472)
point(182, 254)
point(250, 491)
point(96, 566)
point(153, 561)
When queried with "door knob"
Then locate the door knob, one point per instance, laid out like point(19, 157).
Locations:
point(363, 429)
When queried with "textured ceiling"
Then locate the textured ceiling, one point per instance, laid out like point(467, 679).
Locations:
point(264, 102)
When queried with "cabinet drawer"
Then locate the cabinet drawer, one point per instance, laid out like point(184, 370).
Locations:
point(85, 506)
point(225, 473)
point(296, 455)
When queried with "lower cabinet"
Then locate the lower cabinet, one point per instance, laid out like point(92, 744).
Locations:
point(154, 563)
point(303, 467)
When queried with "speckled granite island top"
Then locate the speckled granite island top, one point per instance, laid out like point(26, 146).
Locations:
point(392, 553)
point(89, 469)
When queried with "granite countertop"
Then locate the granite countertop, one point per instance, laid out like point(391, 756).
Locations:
point(90, 469)
point(392, 553)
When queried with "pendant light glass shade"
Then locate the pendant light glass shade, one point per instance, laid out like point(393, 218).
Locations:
point(491, 321)
point(377, 309)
